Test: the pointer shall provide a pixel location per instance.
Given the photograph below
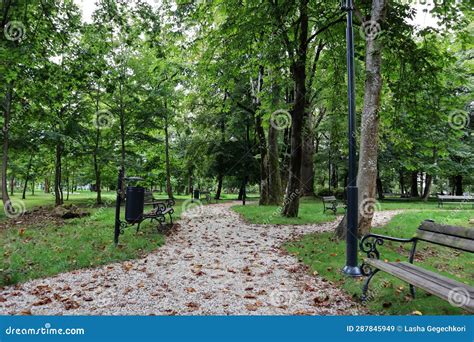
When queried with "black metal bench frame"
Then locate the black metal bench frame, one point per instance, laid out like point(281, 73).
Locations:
point(429, 232)
point(331, 203)
point(161, 208)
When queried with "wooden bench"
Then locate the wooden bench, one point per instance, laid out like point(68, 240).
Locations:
point(207, 196)
point(331, 203)
point(459, 238)
point(454, 199)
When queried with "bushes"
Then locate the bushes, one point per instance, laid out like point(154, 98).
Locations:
point(340, 193)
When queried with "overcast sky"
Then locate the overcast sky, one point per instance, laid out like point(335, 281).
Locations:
point(422, 19)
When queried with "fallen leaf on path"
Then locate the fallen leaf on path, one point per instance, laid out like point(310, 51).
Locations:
point(26, 312)
point(192, 306)
point(42, 301)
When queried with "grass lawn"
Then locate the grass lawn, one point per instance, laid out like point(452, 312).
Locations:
point(311, 210)
point(44, 249)
point(326, 257)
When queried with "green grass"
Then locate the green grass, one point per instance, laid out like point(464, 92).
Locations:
point(82, 198)
point(311, 210)
point(326, 256)
point(39, 250)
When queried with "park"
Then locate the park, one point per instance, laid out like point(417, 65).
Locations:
point(237, 157)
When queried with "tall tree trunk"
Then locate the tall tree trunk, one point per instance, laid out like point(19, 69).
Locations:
point(458, 185)
point(293, 189)
point(285, 157)
point(12, 185)
point(379, 186)
point(274, 180)
point(57, 176)
point(422, 179)
point(428, 183)
point(97, 172)
point(122, 131)
point(368, 155)
point(414, 184)
point(27, 176)
point(46, 186)
point(169, 190)
point(367, 176)
point(262, 141)
point(6, 129)
point(220, 178)
point(241, 190)
point(402, 184)
point(275, 195)
point(307, 167)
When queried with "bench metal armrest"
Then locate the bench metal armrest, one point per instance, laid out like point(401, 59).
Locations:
point(170, 202)
point(159, 207)
point(368, 244)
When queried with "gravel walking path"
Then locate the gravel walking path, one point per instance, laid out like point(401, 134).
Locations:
point(214, 264)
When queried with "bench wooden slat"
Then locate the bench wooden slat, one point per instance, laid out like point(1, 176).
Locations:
point(446, 240)
point(462, 232)
point(329, 198)
point(432, 276)
point(429, 281)
point(455, 198)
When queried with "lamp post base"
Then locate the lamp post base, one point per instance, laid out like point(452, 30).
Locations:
point(352, 271)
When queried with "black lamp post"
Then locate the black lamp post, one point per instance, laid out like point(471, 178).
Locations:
point(351, 268)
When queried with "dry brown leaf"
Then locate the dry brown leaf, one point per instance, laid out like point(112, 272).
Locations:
point(26, 312)
point(42, 301)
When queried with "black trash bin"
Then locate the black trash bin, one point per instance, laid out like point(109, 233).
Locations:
point(196, 194)
point(135, 198)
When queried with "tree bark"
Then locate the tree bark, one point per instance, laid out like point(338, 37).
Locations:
point(367, 176)
point(379, 186)
point(169, 190)
point(307, 167)
point(46, 186)
point(402, 184)
point(458, 185)
point(12, 185)
point(6, 129)
point(27, 176)
point(274, 180)
point(293, 189)
point(414, 184)
point(57, 176)
point(368, 155)
point(262, 142)
point(97, 171)
point(220, 178)
point(428, 181)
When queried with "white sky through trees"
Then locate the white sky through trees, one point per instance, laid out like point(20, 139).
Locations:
point(422, 19)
